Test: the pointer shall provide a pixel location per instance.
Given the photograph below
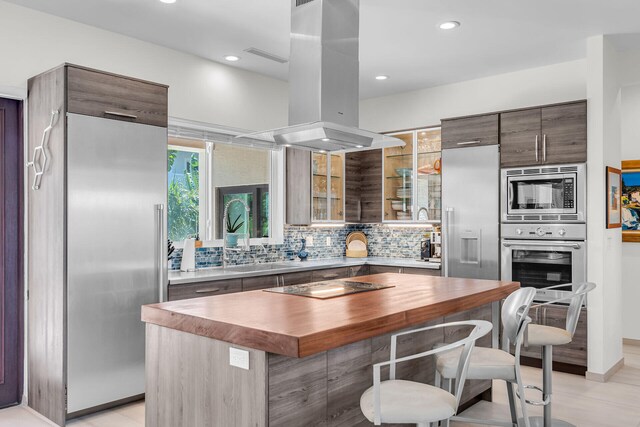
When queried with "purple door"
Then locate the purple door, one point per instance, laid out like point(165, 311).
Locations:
point(11, 261)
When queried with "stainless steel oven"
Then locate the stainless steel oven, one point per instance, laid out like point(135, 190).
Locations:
point(544, 194)
point(543, 255)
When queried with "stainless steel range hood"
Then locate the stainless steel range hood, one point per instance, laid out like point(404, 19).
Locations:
point(323, 81)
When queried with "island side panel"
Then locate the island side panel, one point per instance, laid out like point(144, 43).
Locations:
point(297, 390)
point(472, 388)
point(189, 382)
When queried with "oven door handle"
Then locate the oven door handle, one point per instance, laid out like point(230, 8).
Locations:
point(537, 244)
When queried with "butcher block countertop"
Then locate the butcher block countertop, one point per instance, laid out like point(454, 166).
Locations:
point(298, 326)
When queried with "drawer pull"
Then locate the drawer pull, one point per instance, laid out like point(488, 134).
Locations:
point(207, 291)
point(330, 276)
point(119, 114)
point(476, 141)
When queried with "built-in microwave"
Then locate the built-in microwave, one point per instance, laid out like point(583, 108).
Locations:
point(544, 194)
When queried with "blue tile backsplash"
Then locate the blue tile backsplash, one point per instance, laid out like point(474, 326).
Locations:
point(384, 241)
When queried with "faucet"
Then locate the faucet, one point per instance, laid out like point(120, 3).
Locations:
point(225, 249)
point(426, 212)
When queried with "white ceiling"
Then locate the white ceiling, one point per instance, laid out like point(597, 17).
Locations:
point(399, 38)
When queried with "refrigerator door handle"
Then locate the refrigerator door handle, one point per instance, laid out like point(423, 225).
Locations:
point(445, 238)
point(160, 241)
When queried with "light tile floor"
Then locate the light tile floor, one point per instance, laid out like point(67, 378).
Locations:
point(581, 402)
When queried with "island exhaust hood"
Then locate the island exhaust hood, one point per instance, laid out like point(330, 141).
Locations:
point(323, 81)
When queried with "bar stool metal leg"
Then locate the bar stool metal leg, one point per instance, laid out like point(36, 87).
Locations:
point(547, 372)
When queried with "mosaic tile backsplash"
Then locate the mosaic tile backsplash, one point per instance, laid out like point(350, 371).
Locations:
point(383, 242)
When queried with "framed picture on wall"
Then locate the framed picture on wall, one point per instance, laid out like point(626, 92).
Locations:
point(631, 201)
point(614, 206)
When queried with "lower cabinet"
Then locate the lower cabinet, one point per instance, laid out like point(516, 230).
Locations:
point(204, 289)
point(260, 282)
point(330, 274)
point(219, 287)
point(574, 353)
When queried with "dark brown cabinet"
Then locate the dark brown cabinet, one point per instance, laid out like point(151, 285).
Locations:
point(260, 282)
point(204, 289)
point(574, 353)
point(420, 271)
point(470, 131)
point(363, 186)
point(548, 135)
point(100, 94)
point(330, 274)
point(297, 186)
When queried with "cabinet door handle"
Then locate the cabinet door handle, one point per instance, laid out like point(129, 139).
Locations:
point(39, 168)
point(119, 114)
point(207, 291)
point(475, 141)
point(537, 157)
point(330, 276)
point(544, 148)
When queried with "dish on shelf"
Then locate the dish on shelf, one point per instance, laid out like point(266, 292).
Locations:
point(404, 216)
point(399, 205)
point(404, 171)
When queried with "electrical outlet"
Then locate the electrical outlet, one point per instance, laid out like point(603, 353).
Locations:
point(328, 241)
point(309, 240)
point(239, 358)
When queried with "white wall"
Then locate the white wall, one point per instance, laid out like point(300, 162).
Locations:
point(630, 251)
point(604, 249)
point(535, 86)
point(202, 90)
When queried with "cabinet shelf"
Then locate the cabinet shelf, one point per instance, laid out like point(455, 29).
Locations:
point(421, 153)
point(319, 175)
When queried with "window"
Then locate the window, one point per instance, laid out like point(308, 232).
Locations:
point(204, 176)
point(185, 188)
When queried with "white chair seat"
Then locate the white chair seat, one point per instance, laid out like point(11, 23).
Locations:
point(485, 363)
point(547, 335)
point(408, 402)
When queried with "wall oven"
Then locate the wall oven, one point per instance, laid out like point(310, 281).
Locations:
point(544, 194)
point(543, 255)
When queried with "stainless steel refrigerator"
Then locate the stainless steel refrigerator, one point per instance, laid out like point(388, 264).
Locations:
point(116, 254)
point(471, 212)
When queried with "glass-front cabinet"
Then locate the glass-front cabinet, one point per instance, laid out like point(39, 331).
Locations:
point(412, 186)
point(327, 201)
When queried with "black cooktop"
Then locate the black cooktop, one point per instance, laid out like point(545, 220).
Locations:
point(328, 289)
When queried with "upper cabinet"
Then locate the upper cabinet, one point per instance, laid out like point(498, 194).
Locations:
point(363, 189)
point(328, 183)
point(411, 177)
point(470, 131)
point(315, 187)
point(546, 135)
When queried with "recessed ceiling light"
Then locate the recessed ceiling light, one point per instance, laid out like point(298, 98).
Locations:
point(359, 146)
point(286, 145)
point(231, 58)
point(168, 1)
point(382, 77)
point(449, 25)
point(325, 140)
point(322, 151)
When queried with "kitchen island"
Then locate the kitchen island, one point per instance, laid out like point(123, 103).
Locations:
point(309, 360)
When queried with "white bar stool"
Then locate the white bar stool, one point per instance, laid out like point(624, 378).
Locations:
point(547, 337)
point(496, 364)
point(410, 402)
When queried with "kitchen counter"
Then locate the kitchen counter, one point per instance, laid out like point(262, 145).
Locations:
point(296, 326)
point(266, 359)
point(266, 269)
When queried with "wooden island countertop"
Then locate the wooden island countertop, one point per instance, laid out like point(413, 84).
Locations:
point(297, 326)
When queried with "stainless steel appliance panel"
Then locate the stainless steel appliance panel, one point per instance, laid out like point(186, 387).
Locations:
point(544, 263)
point(470, 198)
point(116, 253)
point(544, 194)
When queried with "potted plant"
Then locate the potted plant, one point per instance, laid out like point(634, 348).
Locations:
point(232, 227)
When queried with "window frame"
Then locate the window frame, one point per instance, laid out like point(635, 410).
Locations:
point(276, 181)
point(256, 189)
point(203, 171)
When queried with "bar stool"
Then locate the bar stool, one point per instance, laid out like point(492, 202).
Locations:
point(496, 364)
point(547, 337)
point(410, 402)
